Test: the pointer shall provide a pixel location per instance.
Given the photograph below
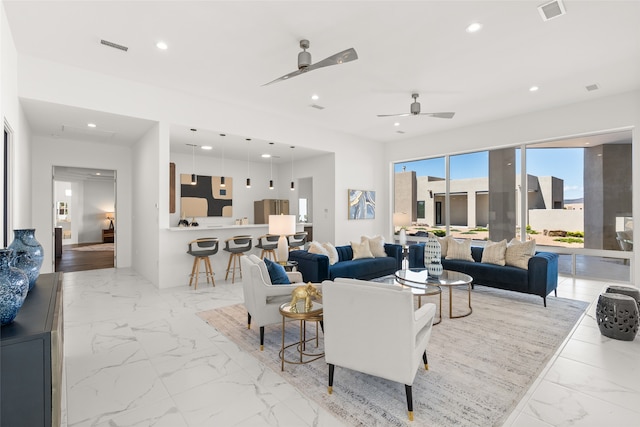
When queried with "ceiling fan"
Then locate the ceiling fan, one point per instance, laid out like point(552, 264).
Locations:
point(415, 111)
point(305, 65)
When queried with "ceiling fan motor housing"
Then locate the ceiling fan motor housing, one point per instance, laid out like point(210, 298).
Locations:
point(415, 107)
point(304, 60)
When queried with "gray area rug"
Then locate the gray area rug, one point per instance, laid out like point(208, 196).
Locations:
point(480, 366)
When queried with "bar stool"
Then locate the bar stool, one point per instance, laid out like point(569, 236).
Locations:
point(268, 243)
point(236, 246)
point(297, 240)
point(205, 248)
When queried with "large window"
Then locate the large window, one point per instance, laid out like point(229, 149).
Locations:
point(575, 198)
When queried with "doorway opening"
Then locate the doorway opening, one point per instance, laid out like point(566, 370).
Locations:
point(84, 218)
point(5, 187)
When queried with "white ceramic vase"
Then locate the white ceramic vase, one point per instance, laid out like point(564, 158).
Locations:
point(432, 255)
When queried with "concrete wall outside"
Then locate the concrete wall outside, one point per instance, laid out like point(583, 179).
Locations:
point(556, 219)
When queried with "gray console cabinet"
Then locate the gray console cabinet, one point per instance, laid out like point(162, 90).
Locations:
point(31, 358)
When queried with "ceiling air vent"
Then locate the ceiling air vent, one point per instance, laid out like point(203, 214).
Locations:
point(592, 87)
point(316, 106)
point(114, 45)
point(551, 10)
point(400, 131)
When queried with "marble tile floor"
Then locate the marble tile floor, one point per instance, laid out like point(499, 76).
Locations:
point(138, 356)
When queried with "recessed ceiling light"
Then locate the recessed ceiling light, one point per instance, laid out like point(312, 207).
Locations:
point(91, 125)
point(474, 27)
point(162, 45)
point(533, 89)
point(206, 147)
point(266, 156)
point(315, 97)
point(396, 124)
point(98, 173)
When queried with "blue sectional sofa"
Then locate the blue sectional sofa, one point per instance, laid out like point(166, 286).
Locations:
point(315, 268)
point(540, 278)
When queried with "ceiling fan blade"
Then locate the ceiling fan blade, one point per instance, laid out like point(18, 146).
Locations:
point(395, 115)
point(286, 76)
point(447, 115)
point(339, 58)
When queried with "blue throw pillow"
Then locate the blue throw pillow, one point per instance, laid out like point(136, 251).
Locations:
point(276, 273)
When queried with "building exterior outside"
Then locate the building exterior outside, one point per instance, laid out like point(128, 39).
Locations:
point(424, 198)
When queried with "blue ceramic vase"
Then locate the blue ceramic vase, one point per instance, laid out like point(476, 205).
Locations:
point(14, 286)
point(27, 254)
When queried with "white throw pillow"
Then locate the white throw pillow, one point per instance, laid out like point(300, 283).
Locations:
point(459, 249)
point(444, 244)
point(331, 252)
point(361, 250)
point(376, 245)
point(493, 252)
point(518, 253)
point(317, 248)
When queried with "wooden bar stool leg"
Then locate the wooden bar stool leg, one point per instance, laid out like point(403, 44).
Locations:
point(195, 286)
point(207, 265)
point(233, 274)
point(226, 276)
point(193, 269)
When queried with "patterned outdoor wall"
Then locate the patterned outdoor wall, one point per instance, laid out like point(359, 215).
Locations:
point(206, 198)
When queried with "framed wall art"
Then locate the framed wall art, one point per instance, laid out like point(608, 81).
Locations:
point(207, 197)
point(362, 204)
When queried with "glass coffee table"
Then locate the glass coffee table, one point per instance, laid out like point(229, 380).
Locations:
point(424, 290)
point(418, 278)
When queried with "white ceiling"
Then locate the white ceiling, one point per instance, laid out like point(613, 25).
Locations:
point(226, 50)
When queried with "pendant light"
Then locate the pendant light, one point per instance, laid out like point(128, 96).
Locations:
point(248, 163)
point(194, 178)
point(222, 184)
point(271, 180)
point(293, 186)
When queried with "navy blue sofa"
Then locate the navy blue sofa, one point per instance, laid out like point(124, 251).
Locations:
point(315, 268)
point(540, 279)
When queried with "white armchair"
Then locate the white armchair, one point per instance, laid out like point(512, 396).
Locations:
point(373, 328)
point(262, 299)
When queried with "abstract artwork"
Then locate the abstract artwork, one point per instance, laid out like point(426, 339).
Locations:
point(362, 204)
point(207, 197)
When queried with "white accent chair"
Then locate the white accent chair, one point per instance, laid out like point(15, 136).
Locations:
point(373, 328)
point(262, 299)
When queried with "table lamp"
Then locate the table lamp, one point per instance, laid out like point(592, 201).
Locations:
point(401, 219)
point(111, 216)
point(282, 225)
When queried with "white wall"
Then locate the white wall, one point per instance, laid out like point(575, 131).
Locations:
point(243, 197)
point(147, 189)
point(20, 157)
point(49, 152)
point(357, 162)
point(98, 198)
point(592, 116)
point(322, 170)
